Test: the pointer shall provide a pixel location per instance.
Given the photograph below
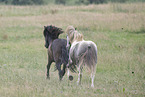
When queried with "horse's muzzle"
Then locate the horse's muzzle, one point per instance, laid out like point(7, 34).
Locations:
point(46, 46)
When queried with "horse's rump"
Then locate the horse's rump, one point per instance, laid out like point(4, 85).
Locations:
point(89, 55)
point(84, 53)
point(60, 52)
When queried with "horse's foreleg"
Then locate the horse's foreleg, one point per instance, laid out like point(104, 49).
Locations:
point(68, 72)
point(70, 60)
point(68, 66)
point(48, 67)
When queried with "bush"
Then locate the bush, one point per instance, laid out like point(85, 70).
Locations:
point(96, 1)
point(64, 2)
point(23, 2)
point(60, 2)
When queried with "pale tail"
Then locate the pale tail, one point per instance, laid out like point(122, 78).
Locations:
point(89, 58)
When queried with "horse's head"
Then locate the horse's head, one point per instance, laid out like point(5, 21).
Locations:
point(73, 35)
point(51, 33)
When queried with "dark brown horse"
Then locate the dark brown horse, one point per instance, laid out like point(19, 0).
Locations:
point(57, 51)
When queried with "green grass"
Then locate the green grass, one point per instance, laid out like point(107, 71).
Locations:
point(117, 29)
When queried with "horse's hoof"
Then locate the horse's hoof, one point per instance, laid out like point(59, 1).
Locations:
point(92, 86)
point(48, 78)
point(60, 79)
point(70, 77)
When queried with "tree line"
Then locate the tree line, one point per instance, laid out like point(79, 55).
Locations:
point(64, 2)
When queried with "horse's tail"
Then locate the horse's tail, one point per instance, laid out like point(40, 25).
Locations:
point(64, 55)
point(89, 58)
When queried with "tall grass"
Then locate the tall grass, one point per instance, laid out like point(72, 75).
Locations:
point(117, 29)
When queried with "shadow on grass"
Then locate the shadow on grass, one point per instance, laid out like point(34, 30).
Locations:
point(141, 31)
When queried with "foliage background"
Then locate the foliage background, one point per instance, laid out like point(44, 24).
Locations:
point(64, 2)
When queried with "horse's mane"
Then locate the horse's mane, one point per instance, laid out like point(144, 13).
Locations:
point(73, 34)
point(53, 31)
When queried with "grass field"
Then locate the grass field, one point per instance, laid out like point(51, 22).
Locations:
point(117, 29)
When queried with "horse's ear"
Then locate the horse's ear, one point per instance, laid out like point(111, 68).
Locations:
point(44, 27)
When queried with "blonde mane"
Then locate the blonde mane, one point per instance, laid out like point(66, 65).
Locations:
point(73, 34)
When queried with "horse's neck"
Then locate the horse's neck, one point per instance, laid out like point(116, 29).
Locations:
point(49, 47)
point(75, 41)
point(50, 43)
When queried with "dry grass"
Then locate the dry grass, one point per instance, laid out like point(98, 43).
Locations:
point(117, 29)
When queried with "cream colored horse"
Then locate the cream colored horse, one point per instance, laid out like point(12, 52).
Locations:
point(81, 53)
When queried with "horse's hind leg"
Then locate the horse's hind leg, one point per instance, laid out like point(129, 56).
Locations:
point(93, 75)
point(48, 67)
point(64, 66)
point(79, 75)
point(58, 65)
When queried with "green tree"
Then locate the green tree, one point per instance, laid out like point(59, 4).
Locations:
point(27, 2)
point(60, 2)
point(97, 1)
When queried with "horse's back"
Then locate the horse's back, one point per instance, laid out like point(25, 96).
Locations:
point(59, 42)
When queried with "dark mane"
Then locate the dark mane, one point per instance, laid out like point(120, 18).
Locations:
point(53, 31)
